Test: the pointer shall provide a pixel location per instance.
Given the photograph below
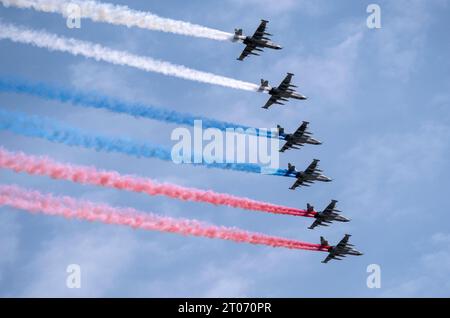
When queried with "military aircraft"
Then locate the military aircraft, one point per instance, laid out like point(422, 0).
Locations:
point(256, 42)
point(342, 249)
point(305, 178)
point(298, 138)
point(282, 92)
point(327, 216)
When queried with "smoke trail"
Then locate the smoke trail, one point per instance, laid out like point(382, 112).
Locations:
point(35, 126)
point(20, 162)
point(35, 202)
point(100, 53)
point(121, 15)
point(94, 100)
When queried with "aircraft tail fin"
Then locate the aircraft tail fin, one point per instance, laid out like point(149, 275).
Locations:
point(323, 241)
point(309, 207)
point(237, 34)
point(264, 85)
point(280, 130)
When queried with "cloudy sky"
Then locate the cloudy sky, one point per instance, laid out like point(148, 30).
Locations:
point(378, 99)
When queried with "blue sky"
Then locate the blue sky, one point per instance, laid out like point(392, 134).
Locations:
point(378, 99)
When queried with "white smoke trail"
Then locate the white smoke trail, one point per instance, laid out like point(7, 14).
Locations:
point(98, 52)
point(120, 15)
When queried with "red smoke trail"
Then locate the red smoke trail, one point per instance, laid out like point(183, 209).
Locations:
point(48, 204)
point(20, 162)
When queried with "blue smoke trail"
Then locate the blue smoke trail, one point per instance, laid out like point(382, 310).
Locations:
point(94, 100)
point(54, 131)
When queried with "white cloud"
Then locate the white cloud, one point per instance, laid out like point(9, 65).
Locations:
point(430, 273)
point(397, 161)
point(310, 7)
point(92, 76)
point(330, 75)
point(242, 275)
point(225, 283)
point(103, 254)
point(402, 38)
point(441, 238)
point(407, 289)
point(9, 239)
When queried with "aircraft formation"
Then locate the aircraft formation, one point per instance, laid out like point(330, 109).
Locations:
point(282, 93)
point(47, 129)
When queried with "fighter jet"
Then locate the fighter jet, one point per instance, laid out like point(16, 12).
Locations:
point(342, 249)
point(305, 178)
point(298, 138)
point(282, 92)
point(256, 42)
point(326, 216)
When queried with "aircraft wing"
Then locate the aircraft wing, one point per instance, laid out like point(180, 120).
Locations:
point(291, 144)
point(247, 50)
point(286, 146)
point(330, 208)
point(300, 130)
point(259, 33)
point(286, 83)
point(328, 258)
point(312, 167)
point(272, 100)
point(296, 136)
point(343, 243)
point(297, 183)
point(315, 223)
